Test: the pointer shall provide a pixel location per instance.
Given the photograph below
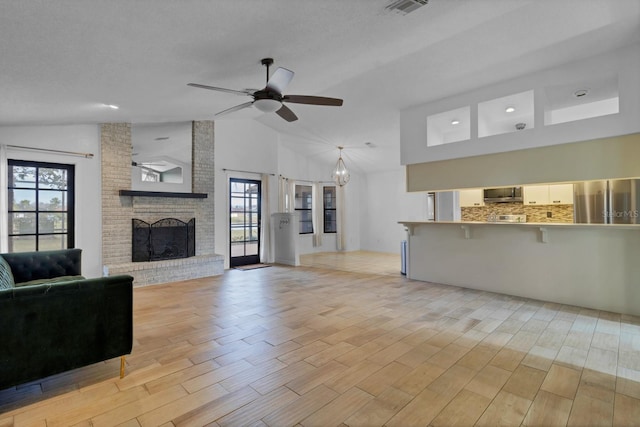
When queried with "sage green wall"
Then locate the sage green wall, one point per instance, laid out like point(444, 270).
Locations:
point(604, 158)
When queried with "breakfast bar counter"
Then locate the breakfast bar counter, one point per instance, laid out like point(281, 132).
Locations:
point(588, 265)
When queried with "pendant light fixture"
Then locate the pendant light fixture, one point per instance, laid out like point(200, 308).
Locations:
point(340, 173)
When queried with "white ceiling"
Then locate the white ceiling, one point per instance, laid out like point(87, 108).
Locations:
point(60, 61)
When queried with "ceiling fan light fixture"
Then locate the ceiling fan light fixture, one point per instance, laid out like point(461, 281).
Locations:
point(267, 105)
point(340, 173)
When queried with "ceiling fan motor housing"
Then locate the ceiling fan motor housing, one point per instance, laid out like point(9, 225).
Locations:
point(267, 94)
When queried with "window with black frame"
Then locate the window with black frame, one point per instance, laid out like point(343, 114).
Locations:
point(303, 206)
point(329, 207)
point(41, 206)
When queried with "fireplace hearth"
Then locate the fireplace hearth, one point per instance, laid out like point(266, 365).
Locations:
point(168, 238)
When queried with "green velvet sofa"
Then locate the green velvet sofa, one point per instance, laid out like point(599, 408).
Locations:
point(53, 320)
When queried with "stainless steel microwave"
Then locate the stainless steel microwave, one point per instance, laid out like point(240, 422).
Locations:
point(503, 195)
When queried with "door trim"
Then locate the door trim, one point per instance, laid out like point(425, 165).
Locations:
point(252, 258)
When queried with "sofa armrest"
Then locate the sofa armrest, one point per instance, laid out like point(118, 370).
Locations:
point(28, 266)
point(49, 329)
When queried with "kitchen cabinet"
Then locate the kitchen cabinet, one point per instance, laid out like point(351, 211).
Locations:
point(561, 194)
point(471, 198)
point(556, 194)
point(536, 194)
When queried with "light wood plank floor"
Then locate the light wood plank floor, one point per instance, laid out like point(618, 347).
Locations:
point(358, 262)
point(311, 346)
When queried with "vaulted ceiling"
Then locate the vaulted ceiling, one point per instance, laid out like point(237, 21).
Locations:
point(61, 61)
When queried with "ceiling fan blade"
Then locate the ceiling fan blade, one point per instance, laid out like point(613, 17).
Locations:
point(287, 114)
point(232, 109)
point(221, 89)
point(280, 79)
point(312, 100)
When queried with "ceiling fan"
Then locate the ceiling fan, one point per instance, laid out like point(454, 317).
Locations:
point(270, 98)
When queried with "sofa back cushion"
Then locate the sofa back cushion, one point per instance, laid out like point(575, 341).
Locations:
point(6, 277)
point(28, 266)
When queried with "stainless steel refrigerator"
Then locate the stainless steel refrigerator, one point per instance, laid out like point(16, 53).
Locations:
point(615, 201)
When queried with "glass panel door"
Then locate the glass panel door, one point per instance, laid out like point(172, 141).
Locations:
point(244, 222)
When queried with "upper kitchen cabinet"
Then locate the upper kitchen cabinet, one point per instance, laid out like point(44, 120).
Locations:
point(471, 198)
point(536, 194)
point(555, 194)
point(450, 126)
point(507, 114)
point(561, 194)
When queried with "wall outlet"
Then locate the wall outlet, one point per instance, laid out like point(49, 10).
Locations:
point(105, 271)
point(549, 214)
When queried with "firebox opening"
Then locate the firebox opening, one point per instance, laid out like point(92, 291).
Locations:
point(168, 238)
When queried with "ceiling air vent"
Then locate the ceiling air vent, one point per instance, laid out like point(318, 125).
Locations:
point(404, 7)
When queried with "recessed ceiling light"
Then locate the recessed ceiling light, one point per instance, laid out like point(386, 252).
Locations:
point(580, 93)
point(510, 109)
point(455, 122)
point(112, 106)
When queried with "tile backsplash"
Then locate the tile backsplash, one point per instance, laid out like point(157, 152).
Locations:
point(559, 213)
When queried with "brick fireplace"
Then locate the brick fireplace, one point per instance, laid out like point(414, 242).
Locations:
point(118, 211)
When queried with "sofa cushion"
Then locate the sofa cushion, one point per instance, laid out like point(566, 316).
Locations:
point(50, 281)
point(6, 277)
point(27, 266)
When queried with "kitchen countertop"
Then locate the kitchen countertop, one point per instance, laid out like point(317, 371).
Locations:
point(524, 224)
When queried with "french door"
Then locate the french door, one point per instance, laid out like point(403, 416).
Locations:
point(244, 222)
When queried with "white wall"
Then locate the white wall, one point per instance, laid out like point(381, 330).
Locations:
point(297, 167)
point(622, 65)
point(385, 202)
point(242, 145)
point(246, 145)
point(88, 194)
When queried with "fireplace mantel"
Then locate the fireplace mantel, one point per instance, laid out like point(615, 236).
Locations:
point(135, 193)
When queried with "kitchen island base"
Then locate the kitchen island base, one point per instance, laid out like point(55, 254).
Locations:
point(592, 266)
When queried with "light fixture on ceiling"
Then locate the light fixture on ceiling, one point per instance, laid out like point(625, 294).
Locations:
point(455, 122)
point(267, 105)
point(111, 106)
point(510, 109)
point(580, 93)
point(340, 173)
